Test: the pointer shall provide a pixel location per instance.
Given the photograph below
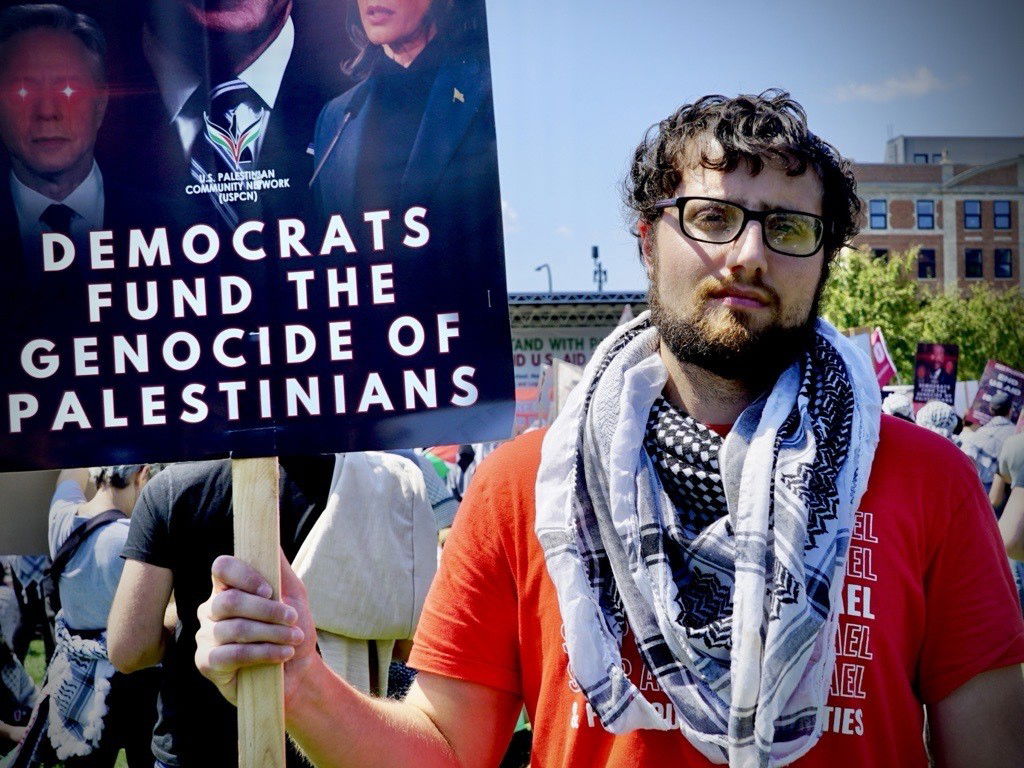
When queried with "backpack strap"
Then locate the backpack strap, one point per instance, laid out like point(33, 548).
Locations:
point(78, 536)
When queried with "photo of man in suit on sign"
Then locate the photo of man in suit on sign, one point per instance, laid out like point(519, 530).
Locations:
point(53, 99)
point(225, 91)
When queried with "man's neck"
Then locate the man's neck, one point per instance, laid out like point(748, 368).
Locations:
point(708, 398)
point(56, 186)
point(186, 37)
point(107, 498)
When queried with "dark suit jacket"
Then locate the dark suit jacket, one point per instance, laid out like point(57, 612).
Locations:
point(25, 284)
point(452, 168)
point(36, 305)
point(138, 140)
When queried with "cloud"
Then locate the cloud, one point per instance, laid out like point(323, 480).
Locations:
point(509, 218)
point(563, 231)
point(909, 85)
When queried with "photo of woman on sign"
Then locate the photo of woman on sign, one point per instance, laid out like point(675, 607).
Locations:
point(420, 121)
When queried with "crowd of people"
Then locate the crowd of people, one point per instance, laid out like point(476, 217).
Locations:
point(997, 451)
point(129, 565)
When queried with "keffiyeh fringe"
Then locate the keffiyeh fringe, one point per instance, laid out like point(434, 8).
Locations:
point(78, 681)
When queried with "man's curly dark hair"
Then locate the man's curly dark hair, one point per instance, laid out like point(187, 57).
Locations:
point(768, 128)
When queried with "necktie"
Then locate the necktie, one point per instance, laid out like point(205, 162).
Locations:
point(229, 142)
point(233, 125)
point(57, 217)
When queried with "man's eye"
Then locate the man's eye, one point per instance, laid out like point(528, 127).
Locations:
point(791, 227)
point(710, 216)
point(17, 91)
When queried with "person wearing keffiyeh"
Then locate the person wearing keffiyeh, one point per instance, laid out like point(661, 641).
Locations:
point(93, 711)
point(720, 553)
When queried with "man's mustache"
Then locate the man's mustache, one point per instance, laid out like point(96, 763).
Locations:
point(712, 287)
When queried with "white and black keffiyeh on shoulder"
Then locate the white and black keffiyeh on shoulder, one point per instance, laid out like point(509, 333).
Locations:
point(724, 558)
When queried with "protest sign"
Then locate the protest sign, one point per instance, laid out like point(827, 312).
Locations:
point(885, 368)
point(309, 319)
point(248, 243)
point(539, 406)
point(996, 378)
point(529, 407)
point(935, 372)
point(534, 348)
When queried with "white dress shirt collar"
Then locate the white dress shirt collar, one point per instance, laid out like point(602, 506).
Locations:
point(86, 200)
point(178, 80)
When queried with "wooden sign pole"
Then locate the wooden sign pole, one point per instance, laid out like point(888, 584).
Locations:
point(261, 732)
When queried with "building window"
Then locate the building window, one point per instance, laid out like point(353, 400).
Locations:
point(926, 214)
point(879, 210)
point(1001, 211)
point(1004, 263)
point(972, 262)
point(920, 157)
point(926, 263)
point(972, 214)
point(937, 157)
point(880, 253)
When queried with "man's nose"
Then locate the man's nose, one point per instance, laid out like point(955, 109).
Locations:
point(47, 104)
point(747, 253)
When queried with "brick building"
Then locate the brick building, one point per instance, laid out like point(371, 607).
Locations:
point(958, 199)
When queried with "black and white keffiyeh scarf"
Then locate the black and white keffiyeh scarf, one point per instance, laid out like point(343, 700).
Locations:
point(733, 599)
point(77, 681)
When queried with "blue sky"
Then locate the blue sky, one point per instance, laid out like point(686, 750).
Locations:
point(576, 83)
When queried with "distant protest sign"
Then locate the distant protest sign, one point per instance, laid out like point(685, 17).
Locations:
point(258, 275)
point(935, 372)
point(539, 406)
point(885, 368)
point(534, 348)
point(997, 378)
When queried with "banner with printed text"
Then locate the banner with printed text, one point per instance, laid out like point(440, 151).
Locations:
point(935, 372)
point(997, 379)
point(247, 229)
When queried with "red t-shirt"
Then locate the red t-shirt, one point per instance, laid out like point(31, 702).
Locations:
point(928, 603)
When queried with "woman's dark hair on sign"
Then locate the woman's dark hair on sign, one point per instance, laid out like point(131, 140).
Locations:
point(719, 133)
point(456, 20)
point(24, 18)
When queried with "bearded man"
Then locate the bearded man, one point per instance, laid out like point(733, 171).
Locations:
point(720, 552)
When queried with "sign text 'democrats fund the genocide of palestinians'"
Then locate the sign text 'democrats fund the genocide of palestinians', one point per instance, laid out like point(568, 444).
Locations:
point(276, 279)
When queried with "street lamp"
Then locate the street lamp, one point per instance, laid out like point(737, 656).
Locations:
point(600, 273)
point(548, 268)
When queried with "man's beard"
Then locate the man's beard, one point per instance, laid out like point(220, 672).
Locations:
point(723, 342)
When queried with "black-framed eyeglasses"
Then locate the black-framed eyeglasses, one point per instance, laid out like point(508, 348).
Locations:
point(709, 220)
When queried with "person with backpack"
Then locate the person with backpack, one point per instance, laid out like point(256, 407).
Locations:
point(94, 711)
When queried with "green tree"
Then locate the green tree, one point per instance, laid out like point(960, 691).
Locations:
point(985, 323)
point(866, 291)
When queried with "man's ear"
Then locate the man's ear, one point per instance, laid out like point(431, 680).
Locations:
point(100, 109)
point(645, 240)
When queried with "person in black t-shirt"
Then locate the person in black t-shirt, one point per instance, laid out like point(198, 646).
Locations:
point(182, 522)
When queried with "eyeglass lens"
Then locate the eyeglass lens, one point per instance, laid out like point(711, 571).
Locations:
point(717, 221)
